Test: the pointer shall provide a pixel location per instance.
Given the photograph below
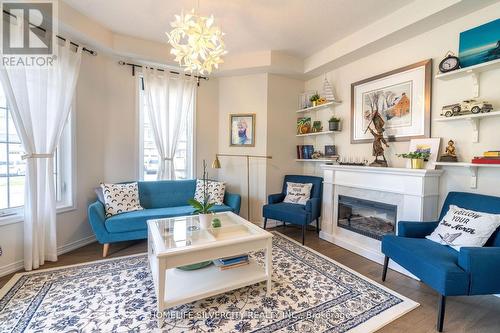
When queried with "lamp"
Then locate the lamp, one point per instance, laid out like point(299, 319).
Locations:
point(216, 165)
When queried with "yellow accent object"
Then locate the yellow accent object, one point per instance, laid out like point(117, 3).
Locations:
point(417, 163)
point(492, 154)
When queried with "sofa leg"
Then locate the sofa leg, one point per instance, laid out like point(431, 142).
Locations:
point(265, 222)
point(105, 249)
point(303, 233)
point(317, 225)
point(386, 264)
point(284, 224)
point(441, 310)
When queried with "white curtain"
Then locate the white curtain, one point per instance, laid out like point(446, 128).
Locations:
point(169, 103)
point(40, 101)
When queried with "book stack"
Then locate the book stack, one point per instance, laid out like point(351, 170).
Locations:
point(304, 152)
point(489, 157)
point(232, 262)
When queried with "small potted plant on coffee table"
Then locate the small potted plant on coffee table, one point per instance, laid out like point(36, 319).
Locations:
point(202, 208)
point(417, 158)
point(334, 124)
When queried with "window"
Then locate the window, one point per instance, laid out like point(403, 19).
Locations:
point(150, 160)
point(13, 167)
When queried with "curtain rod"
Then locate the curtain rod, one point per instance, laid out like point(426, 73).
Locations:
point(89, 51)
point(133, 66)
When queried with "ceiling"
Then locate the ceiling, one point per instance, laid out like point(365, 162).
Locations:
point(298, 27)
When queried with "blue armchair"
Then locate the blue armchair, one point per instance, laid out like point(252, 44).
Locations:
point(301, 215)
point(472, 271)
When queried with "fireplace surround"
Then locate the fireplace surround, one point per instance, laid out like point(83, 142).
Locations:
point(384, 195)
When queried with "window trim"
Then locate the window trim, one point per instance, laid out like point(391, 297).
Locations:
point(16, 214)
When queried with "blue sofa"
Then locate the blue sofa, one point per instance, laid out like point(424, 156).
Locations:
point(301, 215)
point(159, 199)
point(472, 271)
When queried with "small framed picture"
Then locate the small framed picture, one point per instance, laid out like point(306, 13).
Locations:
point(242, 130)
point(330, 151)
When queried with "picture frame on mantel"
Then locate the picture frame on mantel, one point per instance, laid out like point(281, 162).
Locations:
point(403, 99)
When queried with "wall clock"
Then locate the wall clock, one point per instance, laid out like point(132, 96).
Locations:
point(449, 63)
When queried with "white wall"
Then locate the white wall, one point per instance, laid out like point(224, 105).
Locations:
point(106, 148)
point(433, 44)
point(244, 94)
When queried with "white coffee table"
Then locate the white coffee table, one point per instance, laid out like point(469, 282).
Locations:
point(181, 241)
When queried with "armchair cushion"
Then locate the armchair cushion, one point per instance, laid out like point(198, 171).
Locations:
point(482, 263)
point(298, 193)
point(435, 264)
point(287, 212)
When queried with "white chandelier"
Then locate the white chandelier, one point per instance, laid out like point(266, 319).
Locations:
point(196, 43)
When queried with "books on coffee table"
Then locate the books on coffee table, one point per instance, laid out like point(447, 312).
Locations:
point(232, 262)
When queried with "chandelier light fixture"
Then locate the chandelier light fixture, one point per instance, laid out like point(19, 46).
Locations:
point(196, 43)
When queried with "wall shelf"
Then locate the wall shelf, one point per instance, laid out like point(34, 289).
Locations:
point(473, 167)
point(474, 120)
point(319, 107)
point(318, 133)
point(473, 72)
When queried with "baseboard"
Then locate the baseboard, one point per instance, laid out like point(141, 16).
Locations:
point(19, 265)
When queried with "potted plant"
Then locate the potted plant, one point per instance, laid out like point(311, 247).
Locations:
point(314, 99)
point(334, 124)
point(203, 208)
point(417, 158)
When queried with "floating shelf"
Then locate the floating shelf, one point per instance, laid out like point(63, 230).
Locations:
point(471, 166)
point(474, 120)
point(318, 133)
point(318, 107)
point(473, 72)
point(319, 160)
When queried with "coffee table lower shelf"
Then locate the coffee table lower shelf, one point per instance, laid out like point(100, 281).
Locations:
point(182, 287)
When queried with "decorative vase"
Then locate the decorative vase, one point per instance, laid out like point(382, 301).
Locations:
point(334, 125)
point(314, 103)
point(205, 220)
point(417, 163)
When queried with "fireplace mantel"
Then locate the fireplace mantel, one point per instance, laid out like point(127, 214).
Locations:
point(414, 191)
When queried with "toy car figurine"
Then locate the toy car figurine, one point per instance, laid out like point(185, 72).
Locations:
point(467, 106)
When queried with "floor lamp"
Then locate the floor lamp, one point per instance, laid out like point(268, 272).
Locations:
point(216, 165)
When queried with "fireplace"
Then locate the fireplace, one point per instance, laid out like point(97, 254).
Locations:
point(368, 218)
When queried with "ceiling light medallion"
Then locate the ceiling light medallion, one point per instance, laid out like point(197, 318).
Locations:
point(196, 43)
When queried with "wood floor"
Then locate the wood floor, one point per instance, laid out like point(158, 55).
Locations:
point(463, 314)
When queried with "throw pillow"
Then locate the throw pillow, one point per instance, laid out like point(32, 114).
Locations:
point(463, 227)
point(99, 194)
point(298, 193)
point(120, 198)
point(215, 191)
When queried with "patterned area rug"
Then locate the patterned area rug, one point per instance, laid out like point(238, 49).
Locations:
point(311, 293)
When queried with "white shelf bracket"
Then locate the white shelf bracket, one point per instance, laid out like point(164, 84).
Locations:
point(475, 84)
point(473, 176)
point(474, 122)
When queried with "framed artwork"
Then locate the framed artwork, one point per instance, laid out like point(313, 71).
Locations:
point(242, 130)
point(431, 146)
point(330, 151)
point(480, 44)
point(403, 99)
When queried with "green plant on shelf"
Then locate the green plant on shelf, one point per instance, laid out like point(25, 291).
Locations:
point(416, 155)
point(314, 98)
point(334, 119)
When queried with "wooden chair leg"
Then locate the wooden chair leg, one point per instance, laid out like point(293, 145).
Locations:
point(303, 233)
point(441, 310)
point(105, 249)
point(265, 222)
point(386, 264)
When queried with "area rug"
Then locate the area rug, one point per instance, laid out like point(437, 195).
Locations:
point(311, 293)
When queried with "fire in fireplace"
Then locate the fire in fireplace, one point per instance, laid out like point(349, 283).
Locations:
point(369, 218)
